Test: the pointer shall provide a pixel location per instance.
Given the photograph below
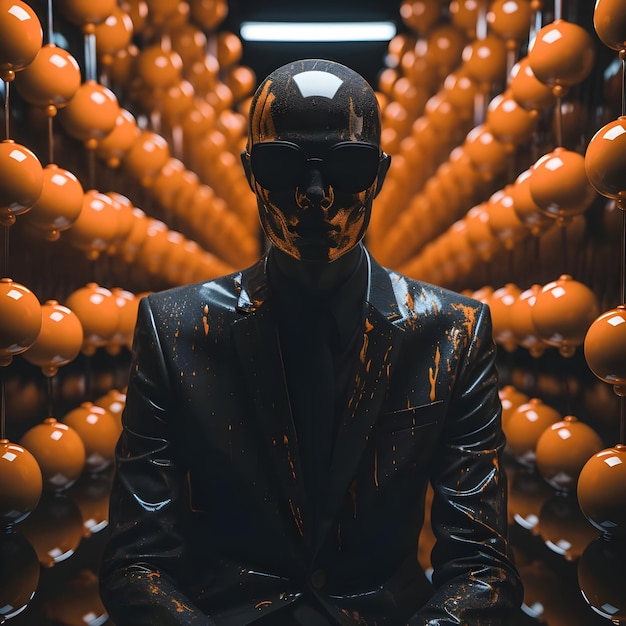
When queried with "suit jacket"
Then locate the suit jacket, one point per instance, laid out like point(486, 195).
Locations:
point(208, 512)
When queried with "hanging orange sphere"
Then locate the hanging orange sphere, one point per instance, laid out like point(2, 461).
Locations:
point(522, 325)
point(500, 302)
point(92, 113)
point(128, 305)
point(503, 220)
point(113, 34)
point(99, 432)
point(605, 348)
point(21, 39)
point(550, 54)
point(563, 312)
point(59, 203)
point(485, 60)
point(527, 89)
point(559, 184)
point(190, 43)
point(59, 340)
point(526, 208)
point(159, 68)
point(20, 319)
point(609, 20)
point(525, 426)
point(464, 15)
point(562, 451)
point(509, 122)
point(21, 180)
point(601, 491)
point(488, 155)
point(176, 101)
point(75, 599)
point(96, 227)
point(420, 15)
point(146, 157)
point(510, 398)
point(605, 160)
point(510, 19)
point(20, 483)
point(445, 47)
point(59, 451)
point(86, 13)
point(114, 146)
point(208, 13)
point(98, 313)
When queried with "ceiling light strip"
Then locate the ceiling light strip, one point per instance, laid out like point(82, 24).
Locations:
point(317, 31)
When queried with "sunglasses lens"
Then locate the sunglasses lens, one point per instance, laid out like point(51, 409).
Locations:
point(352, 167)
point(277, 166)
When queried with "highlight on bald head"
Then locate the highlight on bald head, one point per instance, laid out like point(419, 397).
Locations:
point(305, 99)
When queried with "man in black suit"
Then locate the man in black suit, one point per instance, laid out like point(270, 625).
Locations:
point(283, 423)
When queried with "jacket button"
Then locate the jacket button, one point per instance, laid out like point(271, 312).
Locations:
point(318, 579)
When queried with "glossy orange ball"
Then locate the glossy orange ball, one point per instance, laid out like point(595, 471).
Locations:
point(526, 208)
point(559, 184)
point(20, 319)
point(128, 305)
point(114, 402)
point(509, 122)
point(527, 89)
point(96, 227)
point(510, 19)
point(601, 491)
point(86, 12)
point(521, 321)
point(500, 303)
point(98, 313)
point(609, 20)
point(59, 451)
point(91, 494)
point(510, 398)
point(420, 15)
point(21, 180)
point(208, 13)
point(563, 312)
point(550, 54)
point(19, 574)
point(113, 34)
point(59, 203)
point(159, 68)
point(485, 60)
point(503, 220)
point(525, 426)
point(21, 483)
point(59, 340)
point(562, 451)
point(146, 157)
point(190, 43)
point(99, 432)
point(92, 112)
point(176, 101)
point(605, 348)
point(51, 80)
point(75, 599)
point(605, 160)
point(21, 39)
point(488, 155)
point(114, 146)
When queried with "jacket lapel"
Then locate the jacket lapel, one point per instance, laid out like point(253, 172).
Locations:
point(255, 336)
point(379, 350)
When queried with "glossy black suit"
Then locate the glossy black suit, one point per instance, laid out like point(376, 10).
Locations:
point(209, 515)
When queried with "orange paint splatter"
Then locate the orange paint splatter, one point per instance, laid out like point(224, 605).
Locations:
point(205, 319)
point(432, 375)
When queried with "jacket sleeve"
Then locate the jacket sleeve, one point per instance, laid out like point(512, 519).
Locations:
point(475, 580)
point(142, 566)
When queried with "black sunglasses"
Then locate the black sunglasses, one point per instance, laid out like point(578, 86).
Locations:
point(349, 166)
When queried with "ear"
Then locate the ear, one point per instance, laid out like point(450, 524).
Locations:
point(383, 168)
point(245, 161)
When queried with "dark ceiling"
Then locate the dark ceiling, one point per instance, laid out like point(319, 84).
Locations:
point(365, 57)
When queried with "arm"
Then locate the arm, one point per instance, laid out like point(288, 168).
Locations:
point(475, 580)
point(142, 562)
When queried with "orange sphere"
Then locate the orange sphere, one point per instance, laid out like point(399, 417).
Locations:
point(59, 451)
point(420, 15)
point(526, 208)
point(522, 324)
point(461, 90)
point(113, 34)
point(114, 146)
point(488, 155)
point(525, 426)
point(176, 101)
point(128, 305)
point(20, 483)
point(609, 20)
point(114, 401)
point(133, 242)
point(509, 122)
point(445, 45)
point(601, 491)
point(20, 319)
point(208, 13)
point(19, 574)
point(98, 313)
point(96, 227)
point(189, 42)
point(21, 39)
point(605, 160)
point(500, 303)
point(152, 251)
point(479, 234)
point(605, 348)
point(86, 12)
point(147, 157)
point(159, 68)
point(559, 184)
point(92, 113)
point(59, 204)
point(562, 451)
point(59, 340)
point(550, 54)
point(91, 494)
point(527, 90)
point(99, 432)
point(21, 180)
point(241, 80)
point(75, 599)
point(503, 220)
point(563, 312)
point(510, 398)
point(229, 49)
point(124, 210)
point(485, 60)
point(510, 19)
point(464, 14)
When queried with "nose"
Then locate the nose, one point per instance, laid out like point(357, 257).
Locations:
point(313, 190)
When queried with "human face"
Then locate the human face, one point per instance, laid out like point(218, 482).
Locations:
point(315, 199)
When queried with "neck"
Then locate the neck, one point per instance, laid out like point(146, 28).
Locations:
point(318, 276)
